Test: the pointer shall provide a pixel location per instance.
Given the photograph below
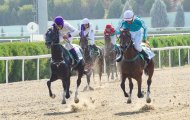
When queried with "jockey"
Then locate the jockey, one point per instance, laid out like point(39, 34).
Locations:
point(135, 25)
point(66, 33)
point(109, 30)
point(88, 31)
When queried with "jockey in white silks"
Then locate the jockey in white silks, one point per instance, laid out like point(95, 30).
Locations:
point(66, 33)
point(86, 29)
point(137, 29)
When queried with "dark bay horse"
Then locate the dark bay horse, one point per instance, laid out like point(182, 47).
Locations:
point(132, 66)
point(93, 62)
point(61, 66)
point(110, 57)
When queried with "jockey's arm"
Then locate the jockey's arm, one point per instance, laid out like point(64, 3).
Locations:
point(144, 31)
point(91, 36)
point(120, 26)
point(72, 31)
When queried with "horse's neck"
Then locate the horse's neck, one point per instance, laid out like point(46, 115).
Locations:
point(130, 52)
point(57, 55)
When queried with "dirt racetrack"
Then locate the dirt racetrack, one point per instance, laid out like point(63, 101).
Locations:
point(170, 93)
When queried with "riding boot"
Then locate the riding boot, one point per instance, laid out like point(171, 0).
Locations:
point(146, 57)
point(118, 53)
point(75, 56)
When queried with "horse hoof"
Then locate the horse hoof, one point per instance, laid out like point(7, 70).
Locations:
point(148, 100)
point(126, 95)
point(140, 95)
point(90, 88)
point(129, 101)
point(76, 100)
point(53, 96)
point(85, 88)
point(63, 102)
point(67, 96)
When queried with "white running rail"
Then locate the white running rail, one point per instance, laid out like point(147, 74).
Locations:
point(38, 57)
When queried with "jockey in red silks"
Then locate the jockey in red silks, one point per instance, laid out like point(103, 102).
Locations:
point(109, 30)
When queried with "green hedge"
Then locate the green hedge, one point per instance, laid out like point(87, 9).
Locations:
point(38, 48)
point(23, 49)
point(165, 41)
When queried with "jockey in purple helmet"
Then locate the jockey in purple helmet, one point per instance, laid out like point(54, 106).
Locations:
point(66, 32)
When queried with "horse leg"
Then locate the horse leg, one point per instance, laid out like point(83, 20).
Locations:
point(100, 74)
point(80, 74)
point(67, 87)
point(88, 82)
point(53, 78)
point(64, 91)
point(150, 70)
point(139, 82)
point(131, 88)
point(116, 70)
point(123, 85)
point(112, 72)
point(108, 70)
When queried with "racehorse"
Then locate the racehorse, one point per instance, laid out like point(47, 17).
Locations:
point(93, 62)
point(110, 56)
point(132, 66)
point(61, 64)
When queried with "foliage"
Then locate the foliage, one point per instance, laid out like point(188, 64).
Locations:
point(165, 41)
point(115, 9)
point(147, 7)
point(23, 49)
point(158, 14)
point(180, 17)
point(186, 4)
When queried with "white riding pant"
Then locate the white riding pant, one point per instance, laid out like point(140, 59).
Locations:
point(137, 37)
point(113, 39)
point(68, 45)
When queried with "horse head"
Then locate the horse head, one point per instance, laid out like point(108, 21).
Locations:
point(125, 39)
point(107, 40)
point(52, 41)
point(51, 37)
point(83, 42)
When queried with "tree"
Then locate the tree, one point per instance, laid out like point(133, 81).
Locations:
point(51, 9)
point(158, 14)
point(25, 14)
point(179, 18)
point(147, 7)
point(75, 6)
point(127, 6)
point(99, 10)
point(115, 9)
point(2, 2)
point(168, 5)
point(186, 4)
point(138, 7)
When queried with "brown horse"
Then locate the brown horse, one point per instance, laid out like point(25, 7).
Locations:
point(93, 62)
point(132, 66)
point(110, 56)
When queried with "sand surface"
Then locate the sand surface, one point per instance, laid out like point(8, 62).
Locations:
point(170, 93)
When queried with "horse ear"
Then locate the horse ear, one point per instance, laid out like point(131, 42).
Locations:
point(128, 29)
